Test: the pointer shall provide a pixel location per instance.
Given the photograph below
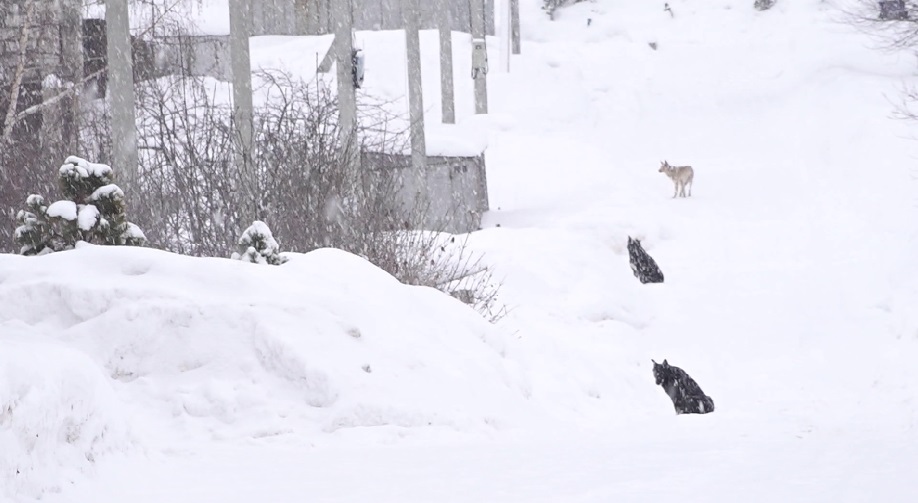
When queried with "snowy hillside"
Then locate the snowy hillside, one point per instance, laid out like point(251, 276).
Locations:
point(790, 294)
point(182, 348)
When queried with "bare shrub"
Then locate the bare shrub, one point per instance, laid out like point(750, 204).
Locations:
point(187, 173)
point(310, 186)
point(871, 18)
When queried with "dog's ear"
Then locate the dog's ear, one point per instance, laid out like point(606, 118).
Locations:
point(655, 363)
point(629, 242)
point(665, 363)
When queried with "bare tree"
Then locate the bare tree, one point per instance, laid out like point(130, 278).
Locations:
point(890, 24)
point(18, 74)
point(21, 156)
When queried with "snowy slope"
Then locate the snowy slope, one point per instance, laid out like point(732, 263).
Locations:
point(159, 350)
point(789, 295)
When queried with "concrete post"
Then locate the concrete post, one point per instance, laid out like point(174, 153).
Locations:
point(121, 92)
point(410, 9)
point(515, 25)
point(479, 56)
point(241, 69)
point(343, 47)
point(447, 93)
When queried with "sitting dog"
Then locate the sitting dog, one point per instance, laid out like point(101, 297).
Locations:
point(643, 265)
point(685, 393)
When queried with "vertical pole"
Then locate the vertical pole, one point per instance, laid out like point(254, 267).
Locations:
point(479, 56)
point(72, 52)
point(515, 25)
point(505, 35)
point(410, 9)
point(241, 68)
point(121, 91)
point(447, 93)
point(344, 49)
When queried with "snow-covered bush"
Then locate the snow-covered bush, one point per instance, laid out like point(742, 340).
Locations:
point(92, 211)
point(550, 6)
point(34, 234)
point(258, 246)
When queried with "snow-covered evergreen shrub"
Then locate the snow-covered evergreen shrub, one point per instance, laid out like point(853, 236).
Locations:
point(550, 6)
point(34, 233)
point(258, 246)
point(92, 211)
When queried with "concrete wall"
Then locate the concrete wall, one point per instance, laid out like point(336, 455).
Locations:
point(209, 55)
point(456, 189)
point(280, 17)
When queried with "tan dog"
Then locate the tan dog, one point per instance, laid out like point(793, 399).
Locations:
point(681, 176)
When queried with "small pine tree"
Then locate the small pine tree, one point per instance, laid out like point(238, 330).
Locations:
point(92, 211)
point(34, 233)
point(113, 227)
point(258, 246)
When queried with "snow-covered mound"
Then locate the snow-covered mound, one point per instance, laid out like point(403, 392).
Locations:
point(218, 348)
point(58, 413)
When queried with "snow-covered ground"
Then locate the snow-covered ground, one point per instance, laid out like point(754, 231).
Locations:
point(790, 296)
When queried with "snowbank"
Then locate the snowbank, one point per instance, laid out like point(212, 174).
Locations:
point(220, 349)
point(58, 413)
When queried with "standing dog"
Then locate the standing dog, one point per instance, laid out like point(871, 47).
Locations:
point(685, 393)
point(681, 176)
point(642, 264)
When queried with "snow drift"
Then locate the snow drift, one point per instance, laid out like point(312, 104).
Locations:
point(223, 349)
point(58, 413)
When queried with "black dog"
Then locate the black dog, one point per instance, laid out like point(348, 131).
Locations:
point(643, 265)
point(685, 393)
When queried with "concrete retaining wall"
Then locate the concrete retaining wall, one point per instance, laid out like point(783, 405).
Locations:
point(456, 193)
point(280, 17)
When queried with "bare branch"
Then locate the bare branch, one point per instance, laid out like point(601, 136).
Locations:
point(9, 122)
